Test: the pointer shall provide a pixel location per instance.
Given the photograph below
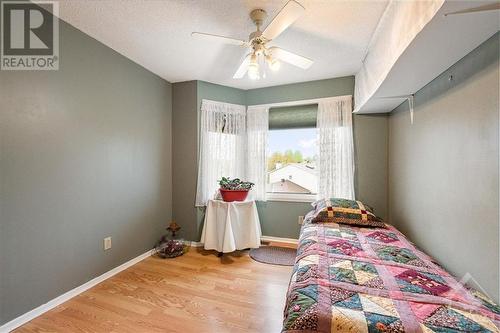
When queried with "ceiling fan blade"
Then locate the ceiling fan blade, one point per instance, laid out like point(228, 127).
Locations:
point(491, 6)
point(240, 72)
point(220, 39)
point(287, 15)
point(291, 58)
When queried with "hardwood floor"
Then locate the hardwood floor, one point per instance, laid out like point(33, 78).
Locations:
point(197, 292)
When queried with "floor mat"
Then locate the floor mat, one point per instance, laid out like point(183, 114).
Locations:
point(274, 255)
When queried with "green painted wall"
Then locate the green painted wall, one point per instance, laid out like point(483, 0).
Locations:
point(85, 153)
point(299, 91)
point(444, 168)
point(277, 218)
point(220, 93)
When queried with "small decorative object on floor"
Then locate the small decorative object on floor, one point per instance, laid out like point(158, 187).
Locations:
point(173, 228)
point(167, 246)
point(234, 189)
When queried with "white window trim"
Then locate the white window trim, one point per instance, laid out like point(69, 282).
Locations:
point(291, 197)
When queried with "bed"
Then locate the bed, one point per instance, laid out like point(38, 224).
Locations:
point(359, 279)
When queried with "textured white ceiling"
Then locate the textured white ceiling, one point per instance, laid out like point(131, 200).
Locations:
point(157, 35)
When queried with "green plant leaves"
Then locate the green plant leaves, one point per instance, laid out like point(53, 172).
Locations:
point(227, 183)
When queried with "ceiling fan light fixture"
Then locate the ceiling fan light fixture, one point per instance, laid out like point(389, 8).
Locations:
point(253, 71)
point(253, 58)
point(253, 68)
point(274, 64)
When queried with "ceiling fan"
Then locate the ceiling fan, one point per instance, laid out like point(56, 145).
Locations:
point(260, 53)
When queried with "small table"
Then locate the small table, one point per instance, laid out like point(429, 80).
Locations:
point(231, 226)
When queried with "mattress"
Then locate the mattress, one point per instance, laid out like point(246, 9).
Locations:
point(352, 279)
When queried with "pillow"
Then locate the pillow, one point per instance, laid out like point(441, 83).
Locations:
point(345, 211)
point(321, 201)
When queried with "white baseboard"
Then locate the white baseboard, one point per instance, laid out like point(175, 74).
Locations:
point(196, 244)
point(15, 323)
point(262, 239)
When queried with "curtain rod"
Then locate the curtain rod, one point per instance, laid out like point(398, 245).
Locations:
point(301, 102)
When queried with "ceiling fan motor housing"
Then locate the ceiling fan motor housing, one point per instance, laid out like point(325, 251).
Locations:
point(256, 39)
point(255, 36)
point(258, 16)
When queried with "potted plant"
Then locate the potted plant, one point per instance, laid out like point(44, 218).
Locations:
point(234, 189)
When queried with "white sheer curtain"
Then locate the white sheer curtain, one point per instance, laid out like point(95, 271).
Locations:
point(222, 147)
point(336, 148)
point(257, 128)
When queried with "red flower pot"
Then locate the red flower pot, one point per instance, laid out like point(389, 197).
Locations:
point(233, 195)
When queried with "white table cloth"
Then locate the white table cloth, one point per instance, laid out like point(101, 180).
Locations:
point(231, 226)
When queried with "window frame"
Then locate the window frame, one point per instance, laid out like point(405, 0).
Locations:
point(291, 197)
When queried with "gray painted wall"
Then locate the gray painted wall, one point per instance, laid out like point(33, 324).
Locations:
point(443, 169)
point(85, 153)
point(277, 218)
point(184, 157)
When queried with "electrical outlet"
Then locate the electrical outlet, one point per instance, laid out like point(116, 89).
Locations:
point(301, 219)
point(107, 243)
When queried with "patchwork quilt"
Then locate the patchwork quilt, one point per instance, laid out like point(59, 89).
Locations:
point(351, 279)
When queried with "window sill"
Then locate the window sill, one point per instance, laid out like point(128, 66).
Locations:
point(291, 197)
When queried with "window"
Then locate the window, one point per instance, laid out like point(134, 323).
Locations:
point(292, 173)
point(222, 147)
